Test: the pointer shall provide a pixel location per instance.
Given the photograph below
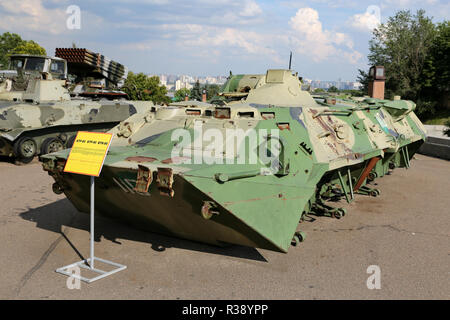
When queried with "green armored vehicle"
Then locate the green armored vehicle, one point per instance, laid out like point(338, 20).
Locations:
point(257, 88)
point(246, 171)
point(38, 114)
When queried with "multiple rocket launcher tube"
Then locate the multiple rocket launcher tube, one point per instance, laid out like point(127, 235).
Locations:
point(96, 62)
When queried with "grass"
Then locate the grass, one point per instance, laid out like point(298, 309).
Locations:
point(440, 118)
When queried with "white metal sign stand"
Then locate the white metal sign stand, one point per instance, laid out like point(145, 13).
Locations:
point(89, 263)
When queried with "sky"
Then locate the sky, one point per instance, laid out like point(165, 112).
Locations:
point(329, 39)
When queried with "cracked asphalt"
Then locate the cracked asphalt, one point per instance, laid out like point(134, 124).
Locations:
point(404, 231)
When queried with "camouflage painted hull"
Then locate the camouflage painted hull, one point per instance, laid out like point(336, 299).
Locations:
point(326, 151)
point(180, 216)
point(58, 121)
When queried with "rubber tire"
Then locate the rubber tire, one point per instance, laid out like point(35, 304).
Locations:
point(45, 145)
point(17, 150)
point(57, 189)
point(337, 214)
point(301, 236)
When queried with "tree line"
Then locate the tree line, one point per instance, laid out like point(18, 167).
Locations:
point(415, 53)
point(12, 43)
point(196, 92)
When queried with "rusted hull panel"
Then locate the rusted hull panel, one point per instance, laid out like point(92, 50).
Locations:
point(179, 216)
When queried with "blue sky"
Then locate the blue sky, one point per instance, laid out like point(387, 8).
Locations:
point(200, 37)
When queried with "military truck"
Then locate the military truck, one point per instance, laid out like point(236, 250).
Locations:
point(38, 114)
point(25, 68)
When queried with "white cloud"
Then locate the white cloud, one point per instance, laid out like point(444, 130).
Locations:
point(27, 16)
point(407, 3)
point(328, 3)
point(223, 30)
point(251, 42)
point(127, 2)
point(367, 21)
point(31, 15)
point(211, 42)
point(364, 21)
point(310, 39)
point(251, 9)
point(306, 36)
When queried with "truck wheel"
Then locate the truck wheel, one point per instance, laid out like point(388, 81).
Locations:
point(25, 149)
point(51, 145)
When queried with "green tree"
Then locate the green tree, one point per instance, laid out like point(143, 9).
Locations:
point(333, 89)
point(447, 129)
point(352, 92)
point(363, 78)
point(402, 45)
point(196, 92)
point(436, 73)
point(181, 94)
point(141, 87)
point(212, 90)
point(8, 42)
point(318, 90)
point(12, 43)
point(29, 47)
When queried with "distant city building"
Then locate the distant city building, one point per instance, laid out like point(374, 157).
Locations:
point(177, 82)
point(177, 85)
point(341, 85)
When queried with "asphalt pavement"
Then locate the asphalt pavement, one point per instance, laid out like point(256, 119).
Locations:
point(403, 233)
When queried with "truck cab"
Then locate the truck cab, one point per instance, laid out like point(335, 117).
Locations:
point(34, 77)
point(38, 65)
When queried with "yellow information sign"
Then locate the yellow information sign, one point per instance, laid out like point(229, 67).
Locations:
point(88, 153)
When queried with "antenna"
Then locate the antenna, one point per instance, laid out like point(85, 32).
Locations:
point(290, 61)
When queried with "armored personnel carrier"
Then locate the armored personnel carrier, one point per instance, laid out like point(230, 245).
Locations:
point(252, 89)
point(245, 172)
point(39, 115)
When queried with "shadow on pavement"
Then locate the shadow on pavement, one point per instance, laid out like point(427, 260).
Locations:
point(6, 159)
point(54, 216)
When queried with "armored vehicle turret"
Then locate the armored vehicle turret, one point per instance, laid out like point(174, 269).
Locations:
point(277, 87)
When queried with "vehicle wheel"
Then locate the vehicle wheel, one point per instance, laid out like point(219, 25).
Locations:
point(51, 145)
point(25, 149)
point(57, 188)
point(337, 214)
point(301, 236)
point(372, 176)
point(70, 141)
